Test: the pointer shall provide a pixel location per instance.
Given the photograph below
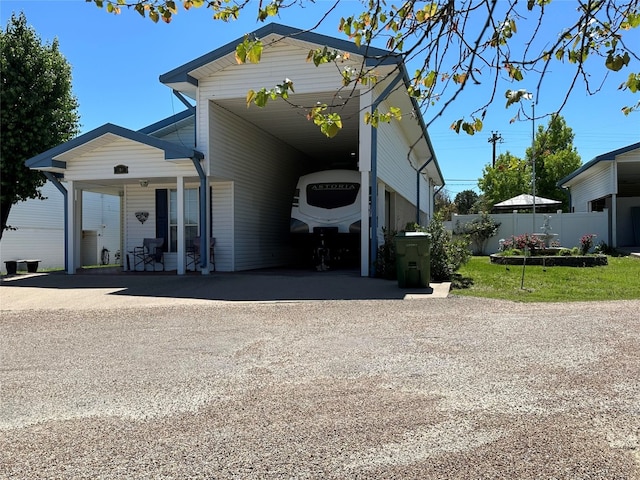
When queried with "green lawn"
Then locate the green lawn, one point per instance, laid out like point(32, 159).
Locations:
point(620, 280)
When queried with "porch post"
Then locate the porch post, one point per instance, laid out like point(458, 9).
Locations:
point(613, 231)
point(71, 228)
point(364, 165)
point(77, 222)
point(181, 261)
point(206, 228)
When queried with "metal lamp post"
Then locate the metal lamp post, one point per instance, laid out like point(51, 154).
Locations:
point(529, 96)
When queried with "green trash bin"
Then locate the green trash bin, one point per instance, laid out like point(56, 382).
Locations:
point(413, 259)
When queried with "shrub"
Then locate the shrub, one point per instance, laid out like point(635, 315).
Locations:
point(480, 230)
point(586, 242)
point(446, 257)
point(521, 242)
point(386, 256)
point(447, 254)
point(603, 249)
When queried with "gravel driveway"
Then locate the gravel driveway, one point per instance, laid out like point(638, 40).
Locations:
point(456, 388)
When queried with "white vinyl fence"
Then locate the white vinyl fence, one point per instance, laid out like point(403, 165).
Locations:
point(569, 227)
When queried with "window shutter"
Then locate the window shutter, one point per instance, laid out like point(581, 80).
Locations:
point(162, 216)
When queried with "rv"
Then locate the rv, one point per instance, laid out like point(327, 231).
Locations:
point(325, 217)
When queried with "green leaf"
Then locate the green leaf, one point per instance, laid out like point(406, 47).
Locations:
point(632, 21)
point(331, 125)
point(261, 98)
point(617, 62)
point(251, 95)
point(430, 80)
point(249, 50)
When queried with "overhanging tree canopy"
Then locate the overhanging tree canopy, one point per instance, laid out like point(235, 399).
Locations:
point(455, 45)
point(37, 109)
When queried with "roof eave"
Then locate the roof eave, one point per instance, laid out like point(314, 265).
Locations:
point(605, 157)
point(180, 77)
point(47, 160)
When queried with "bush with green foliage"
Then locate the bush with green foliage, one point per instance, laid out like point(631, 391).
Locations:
point(447, 254)
point(386, 257)
point(446, 257)
point(586, 242)
point(479, 230)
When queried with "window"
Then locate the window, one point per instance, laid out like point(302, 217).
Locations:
point(332, 195)
point(191, 217)
point(598, 205)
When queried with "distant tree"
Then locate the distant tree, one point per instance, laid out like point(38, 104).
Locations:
point(37, 109)
point(443, 205)
point(453, 45)
point(466, 202)
point(510, 177)
point(555, 158)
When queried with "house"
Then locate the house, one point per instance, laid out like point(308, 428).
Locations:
point(229, 170)
point(38, 229)
point(610, 182)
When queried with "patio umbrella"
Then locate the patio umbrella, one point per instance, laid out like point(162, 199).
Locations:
point(525, 200)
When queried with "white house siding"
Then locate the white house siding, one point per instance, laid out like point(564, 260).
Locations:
point(184, 136)
point(222, 225)
point(144, 199)
point(40, 230)
point(265, 171)
point(279, 61)
point(632, 156)
point(139, 199)
point(396, 171)
point(600, 182)
point(143, 162)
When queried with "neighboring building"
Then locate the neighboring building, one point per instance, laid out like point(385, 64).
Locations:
point(38, 229)
point(223, 168)
point(610, 181)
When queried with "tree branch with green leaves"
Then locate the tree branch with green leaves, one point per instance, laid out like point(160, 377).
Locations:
point(454, 46)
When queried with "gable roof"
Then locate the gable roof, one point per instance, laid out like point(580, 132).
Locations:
point(605, 157)
point(373, 56)
point(51, 158)
point(526, 200)
point(168, 122)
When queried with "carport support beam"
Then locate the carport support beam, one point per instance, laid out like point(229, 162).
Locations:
point(373, 239)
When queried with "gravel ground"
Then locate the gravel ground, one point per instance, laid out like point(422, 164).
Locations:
point(452, 388)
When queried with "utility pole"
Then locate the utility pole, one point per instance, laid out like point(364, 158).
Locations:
point(495, 138)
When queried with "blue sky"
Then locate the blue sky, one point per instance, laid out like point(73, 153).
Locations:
point(117, 60)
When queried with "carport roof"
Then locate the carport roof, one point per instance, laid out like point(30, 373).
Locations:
point(182, 75)
point(183, 79)
point(53, 158)
point(605, 157)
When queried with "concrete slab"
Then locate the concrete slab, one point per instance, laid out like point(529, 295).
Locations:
point(97, 290)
